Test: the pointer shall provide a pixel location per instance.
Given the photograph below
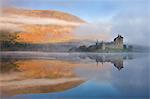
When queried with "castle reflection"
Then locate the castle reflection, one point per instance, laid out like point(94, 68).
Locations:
point(117, 61)
point(62, 70)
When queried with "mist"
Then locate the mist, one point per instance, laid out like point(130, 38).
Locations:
point(94, 31)
point(12, 28)
point(36, 20)
point(131, 23)
point(127, 18)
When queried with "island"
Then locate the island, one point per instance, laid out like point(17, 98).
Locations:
point(116, 45)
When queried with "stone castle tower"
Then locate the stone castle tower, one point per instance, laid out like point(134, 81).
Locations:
point(103, 45)
point(118, 42)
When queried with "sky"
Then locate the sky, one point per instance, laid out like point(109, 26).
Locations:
point(89, 10)
point(129, 18)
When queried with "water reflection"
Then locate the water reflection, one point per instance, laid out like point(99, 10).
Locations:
point(8, 65)
point(117, 62)
point(70, 74)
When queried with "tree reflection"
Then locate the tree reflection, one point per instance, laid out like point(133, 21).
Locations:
point(8, 65)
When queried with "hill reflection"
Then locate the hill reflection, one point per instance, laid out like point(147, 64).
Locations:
point(36, 74)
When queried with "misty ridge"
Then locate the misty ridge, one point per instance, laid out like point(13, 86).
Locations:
point(99, 32)
point(129, 23)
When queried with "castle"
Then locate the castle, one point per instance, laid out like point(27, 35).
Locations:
point(116, 44)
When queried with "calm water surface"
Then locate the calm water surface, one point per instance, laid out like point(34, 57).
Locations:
point(31, 75)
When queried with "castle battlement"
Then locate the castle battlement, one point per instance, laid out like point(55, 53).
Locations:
point(117, 43)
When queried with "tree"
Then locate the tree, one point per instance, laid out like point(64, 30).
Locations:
point(8, 36)
point(8, 39)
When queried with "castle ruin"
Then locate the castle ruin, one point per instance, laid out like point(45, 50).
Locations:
point(116, 44)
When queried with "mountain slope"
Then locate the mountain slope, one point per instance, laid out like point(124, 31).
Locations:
point(42, 13)
point(40, 26)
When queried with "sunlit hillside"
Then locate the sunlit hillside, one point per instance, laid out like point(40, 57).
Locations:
point(40, 26)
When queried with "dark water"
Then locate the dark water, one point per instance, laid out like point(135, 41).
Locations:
point(102, 76)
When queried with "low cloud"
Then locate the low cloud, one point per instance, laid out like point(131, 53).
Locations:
point(10, 27)
point(36, 20)
point(132, 24)
point(94, 31)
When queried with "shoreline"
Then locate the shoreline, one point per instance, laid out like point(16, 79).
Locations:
point(42, 52)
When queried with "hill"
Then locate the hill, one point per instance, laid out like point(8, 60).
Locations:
point(40, 26)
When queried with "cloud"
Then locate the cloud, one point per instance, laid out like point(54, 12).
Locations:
point(133, 25)
point(94, 31)
point(10, 27)
point(36, 20)
point(131, 22)
point(129, 18)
